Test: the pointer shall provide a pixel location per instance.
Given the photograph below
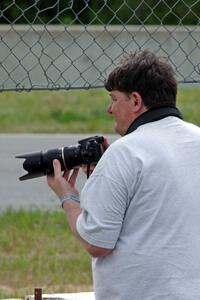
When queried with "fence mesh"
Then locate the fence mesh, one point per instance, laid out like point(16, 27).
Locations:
point(74, 44)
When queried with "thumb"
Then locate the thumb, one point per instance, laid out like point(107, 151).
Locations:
point(57, 168)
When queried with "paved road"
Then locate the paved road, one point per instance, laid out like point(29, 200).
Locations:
point(32, 193)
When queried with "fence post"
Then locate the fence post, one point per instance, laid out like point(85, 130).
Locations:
point(38, 293)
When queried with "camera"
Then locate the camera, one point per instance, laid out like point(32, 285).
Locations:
point(87, 152)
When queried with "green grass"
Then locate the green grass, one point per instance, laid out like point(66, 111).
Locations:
point(60, 112)
point(72, 111)
point(189, 103)
point(37, 249)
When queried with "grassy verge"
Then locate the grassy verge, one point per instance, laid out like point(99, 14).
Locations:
point(72, 111)
point(37, 249)
point(189, 103)
point(60, 112)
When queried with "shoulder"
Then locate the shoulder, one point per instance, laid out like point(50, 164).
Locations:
point(190, 126)
point(124, 143)
point(121, 160)
point(131, 145)
point(121, 149)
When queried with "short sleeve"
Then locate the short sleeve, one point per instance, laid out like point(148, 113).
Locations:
point(104, 206)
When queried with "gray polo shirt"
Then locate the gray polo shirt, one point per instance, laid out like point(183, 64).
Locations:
point(143, 201)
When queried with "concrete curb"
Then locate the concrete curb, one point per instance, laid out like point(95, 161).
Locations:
point(67, 296)
point(63, 296)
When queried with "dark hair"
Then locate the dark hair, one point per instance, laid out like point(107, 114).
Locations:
point(148, 75)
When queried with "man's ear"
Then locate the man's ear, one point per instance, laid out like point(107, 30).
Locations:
point(137, 101)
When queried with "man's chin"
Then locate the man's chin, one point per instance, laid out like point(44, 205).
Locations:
point(118, 131)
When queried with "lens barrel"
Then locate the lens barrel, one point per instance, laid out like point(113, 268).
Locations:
point(41, 163)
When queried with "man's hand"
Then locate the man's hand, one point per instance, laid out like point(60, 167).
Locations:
point(62, 184)
point(105, 146)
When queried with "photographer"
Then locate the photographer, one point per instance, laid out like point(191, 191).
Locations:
point(139, 210)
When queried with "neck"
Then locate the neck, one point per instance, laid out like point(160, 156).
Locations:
point(152, 115)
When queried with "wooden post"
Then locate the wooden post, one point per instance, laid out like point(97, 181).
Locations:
point(38, 294)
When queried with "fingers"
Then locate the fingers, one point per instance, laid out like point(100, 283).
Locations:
point(73, 177)
point(57, 168)
point(84, 169)
point(105, 144)
point(58, 172)
point(66, 174)
point(61, 183)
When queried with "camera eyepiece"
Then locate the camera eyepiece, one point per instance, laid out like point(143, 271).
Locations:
point(88, 151)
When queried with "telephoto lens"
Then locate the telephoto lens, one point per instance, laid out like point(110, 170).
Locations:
point(87, 152)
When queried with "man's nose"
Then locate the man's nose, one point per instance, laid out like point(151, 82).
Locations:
point(109, 109)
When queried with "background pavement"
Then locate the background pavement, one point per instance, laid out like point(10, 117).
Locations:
point(34, 193)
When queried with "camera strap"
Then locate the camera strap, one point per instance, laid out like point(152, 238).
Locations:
point(88, 170)
point(154, 114)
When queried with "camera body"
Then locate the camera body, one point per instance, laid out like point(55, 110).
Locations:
point(87, 152)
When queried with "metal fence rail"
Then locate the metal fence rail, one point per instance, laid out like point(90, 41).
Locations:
point(55, 49)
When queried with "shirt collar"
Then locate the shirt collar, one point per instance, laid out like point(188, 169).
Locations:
point(154, 114)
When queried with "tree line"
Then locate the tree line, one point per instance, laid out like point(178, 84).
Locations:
point(104, 12)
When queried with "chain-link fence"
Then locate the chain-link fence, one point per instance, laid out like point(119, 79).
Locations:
point(60, 44)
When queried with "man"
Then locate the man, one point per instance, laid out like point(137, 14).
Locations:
point(140, 208)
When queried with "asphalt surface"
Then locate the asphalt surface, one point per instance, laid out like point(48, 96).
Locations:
point(33, 193)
